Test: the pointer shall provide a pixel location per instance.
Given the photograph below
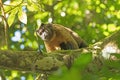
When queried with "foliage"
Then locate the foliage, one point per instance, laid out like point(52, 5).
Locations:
point(93, 20)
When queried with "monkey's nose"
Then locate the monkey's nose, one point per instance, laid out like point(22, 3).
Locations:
point(38, 32)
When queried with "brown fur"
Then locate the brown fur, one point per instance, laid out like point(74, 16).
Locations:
point(60, 38)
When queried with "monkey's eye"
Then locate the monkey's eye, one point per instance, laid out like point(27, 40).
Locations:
point(41, 31)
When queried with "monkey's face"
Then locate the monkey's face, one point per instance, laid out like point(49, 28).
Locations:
point(45, 32)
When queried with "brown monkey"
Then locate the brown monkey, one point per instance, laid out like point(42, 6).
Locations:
point(58, 37)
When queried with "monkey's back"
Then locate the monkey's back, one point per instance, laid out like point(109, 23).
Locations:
point(62, 39)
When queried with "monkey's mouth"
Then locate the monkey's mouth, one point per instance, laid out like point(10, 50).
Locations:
point(42, 35)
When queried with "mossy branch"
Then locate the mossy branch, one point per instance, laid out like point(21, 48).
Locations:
point(33, 61)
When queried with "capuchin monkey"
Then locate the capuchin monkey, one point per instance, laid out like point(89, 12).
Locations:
point(58, 37)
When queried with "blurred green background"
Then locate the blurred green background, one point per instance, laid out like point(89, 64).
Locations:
point(93, 20)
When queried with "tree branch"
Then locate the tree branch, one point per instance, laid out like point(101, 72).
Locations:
point(28, 61)
point(6, 26)
point(35, 62)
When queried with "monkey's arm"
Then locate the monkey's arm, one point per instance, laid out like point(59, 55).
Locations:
point(66, 46)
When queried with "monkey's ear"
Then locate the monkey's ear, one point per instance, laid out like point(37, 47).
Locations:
point(49, 24)
point(42, 24)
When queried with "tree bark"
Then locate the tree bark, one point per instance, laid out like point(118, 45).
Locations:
point(36, 62)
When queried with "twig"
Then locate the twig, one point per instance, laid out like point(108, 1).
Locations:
point(13, 6)
point(6, 26)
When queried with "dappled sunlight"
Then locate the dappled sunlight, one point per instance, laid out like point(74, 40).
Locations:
point(63, 14)
point(110, 48)
point(92, 20)
point(17, 36)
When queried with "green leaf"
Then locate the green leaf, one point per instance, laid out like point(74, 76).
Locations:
point(33, 7)
point(11, 18)
point(7, 8)
point(22, 16)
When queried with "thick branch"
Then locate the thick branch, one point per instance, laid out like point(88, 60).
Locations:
point(34, 61)
point(28, 61)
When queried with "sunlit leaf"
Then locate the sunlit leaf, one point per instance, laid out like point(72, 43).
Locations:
point(106, 33)
point(112, 27)
point(14, 73)
point(32, 7)
point(11, 18)
point(4, 48)
point(104, 26)
point(16, 2)
point(98, 10)
point(112, 8)
point(7, 8)
point(97, 2)
point(118, 14)
point(22, 16)
point(102, 6)
point(30, 77)
point(41, 16)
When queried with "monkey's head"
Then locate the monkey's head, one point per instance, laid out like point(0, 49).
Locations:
point(45, 32)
